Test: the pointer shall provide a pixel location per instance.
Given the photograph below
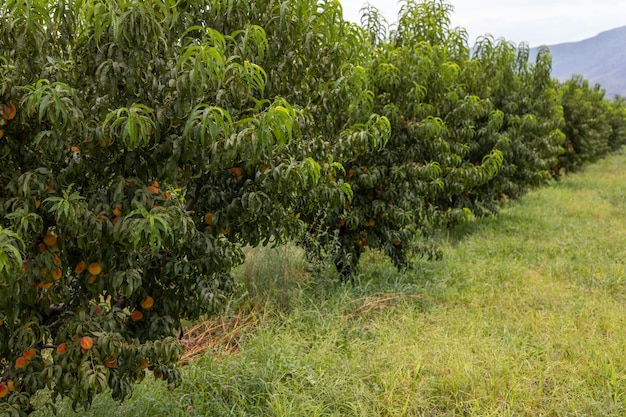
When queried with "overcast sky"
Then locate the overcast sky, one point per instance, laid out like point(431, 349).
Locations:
point(537, 22)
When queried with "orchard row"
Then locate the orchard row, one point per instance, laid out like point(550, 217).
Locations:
point(144, 143)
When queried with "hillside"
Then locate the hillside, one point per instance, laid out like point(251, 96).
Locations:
point(600, 59)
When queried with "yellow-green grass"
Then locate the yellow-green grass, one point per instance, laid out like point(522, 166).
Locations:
point(524, 316)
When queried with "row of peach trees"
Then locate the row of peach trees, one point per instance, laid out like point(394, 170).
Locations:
point(143, 143)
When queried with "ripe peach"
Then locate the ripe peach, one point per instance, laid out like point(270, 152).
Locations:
point(50, 240)
point(237, 172)
point(8, 111)
point(92, 279)
point(61, 348)
point(86, 342)
point(110, 362)
point(147, 303)
point(153, 189)
point(208, 218)
point(94, 268)
point(21, 362)
point(136, 315)
point(57, 274)
point(80, 267)
point(46, 285)
point(29, 354)
point(4, 390)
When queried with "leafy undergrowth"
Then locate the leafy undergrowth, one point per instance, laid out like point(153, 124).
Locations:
point(524, 316)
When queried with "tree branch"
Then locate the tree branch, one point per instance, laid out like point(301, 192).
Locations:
point(49, 346)
point(56, 309)
point(121, 303)
point(194, 199)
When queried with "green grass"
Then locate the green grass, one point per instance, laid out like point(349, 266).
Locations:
point(524, 316)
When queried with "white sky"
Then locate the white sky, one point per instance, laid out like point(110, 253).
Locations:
point(537, 22)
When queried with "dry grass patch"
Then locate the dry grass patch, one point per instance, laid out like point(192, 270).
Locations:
point(216, 337)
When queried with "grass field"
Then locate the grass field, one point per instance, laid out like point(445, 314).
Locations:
point(524, 316)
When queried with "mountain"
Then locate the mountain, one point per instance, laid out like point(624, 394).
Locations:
point(600, 59)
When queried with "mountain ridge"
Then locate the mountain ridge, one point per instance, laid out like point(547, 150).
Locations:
point(600, 59)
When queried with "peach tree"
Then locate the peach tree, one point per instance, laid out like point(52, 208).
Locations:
point(141, 148)
point(321, 70)
point(529, 99)
point(617, 120)
point(587, 123)
point(405, 189)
